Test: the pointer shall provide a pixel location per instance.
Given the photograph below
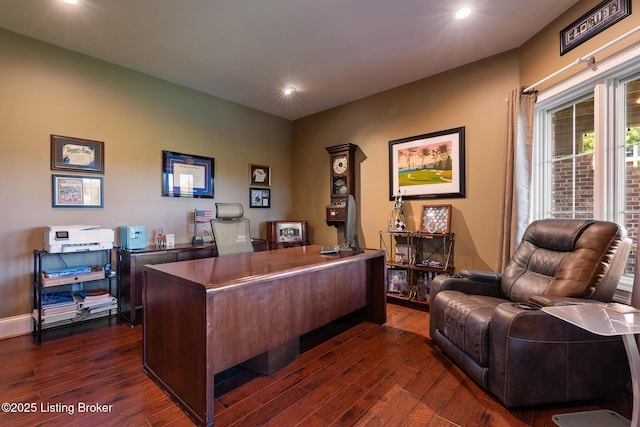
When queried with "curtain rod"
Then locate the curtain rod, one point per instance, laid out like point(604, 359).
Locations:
point(589, 59)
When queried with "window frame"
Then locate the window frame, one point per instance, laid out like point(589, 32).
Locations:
point(606, 82)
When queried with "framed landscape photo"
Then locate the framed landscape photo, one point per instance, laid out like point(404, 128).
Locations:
point(75, 154)
point(186, 175)
point(259, 198)
point(72, 191)
point(431, 165)
point(259, 175)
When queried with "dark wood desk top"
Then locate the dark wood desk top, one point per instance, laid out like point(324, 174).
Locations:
point(228, 271)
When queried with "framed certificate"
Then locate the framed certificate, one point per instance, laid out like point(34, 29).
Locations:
point(77, 155)
point(185, 175)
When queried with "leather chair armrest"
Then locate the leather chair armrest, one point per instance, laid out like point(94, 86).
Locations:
point(466, 285)
point(550, 300)
point(482, 276)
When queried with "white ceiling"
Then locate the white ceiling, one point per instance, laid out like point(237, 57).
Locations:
point(332, 51)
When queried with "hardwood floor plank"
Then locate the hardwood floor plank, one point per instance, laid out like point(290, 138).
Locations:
point(350, 373)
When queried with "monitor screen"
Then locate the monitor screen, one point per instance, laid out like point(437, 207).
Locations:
point(350, 229)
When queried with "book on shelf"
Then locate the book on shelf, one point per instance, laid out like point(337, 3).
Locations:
point(102, 308)
point(53, 298)
point(98, 297)
point(53, 318)
point(49, 311)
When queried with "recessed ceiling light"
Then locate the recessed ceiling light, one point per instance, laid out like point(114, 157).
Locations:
point(463, 13)
point(70, 1)
point(289, 90)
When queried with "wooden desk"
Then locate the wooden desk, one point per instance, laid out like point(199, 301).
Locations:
point(204, 316)
point(132, 263)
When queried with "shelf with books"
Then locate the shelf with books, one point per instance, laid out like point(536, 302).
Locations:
point(71, 288)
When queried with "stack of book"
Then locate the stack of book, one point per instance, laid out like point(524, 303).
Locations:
point(57, 306)
point(66, 305)
point(90, 302)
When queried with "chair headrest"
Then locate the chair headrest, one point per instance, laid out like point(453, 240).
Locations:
point(229, 210)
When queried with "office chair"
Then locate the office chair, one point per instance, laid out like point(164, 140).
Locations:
point(231, 230)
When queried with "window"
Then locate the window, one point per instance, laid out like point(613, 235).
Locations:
point(587, 149)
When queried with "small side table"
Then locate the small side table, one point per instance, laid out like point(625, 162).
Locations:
point(600, 320)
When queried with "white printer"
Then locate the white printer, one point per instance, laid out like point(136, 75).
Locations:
point(77, 238)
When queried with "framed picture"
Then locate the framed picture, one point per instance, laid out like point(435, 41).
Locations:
point(72, 191)
point(593, 22)
point(185, 175)
point(397, 281)
point(259, 198)
point(436, 219)
point(428, 166)
point(287, 232)
point(75, 154)
point(259, 175)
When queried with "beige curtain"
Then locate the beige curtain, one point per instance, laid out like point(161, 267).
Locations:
point(517, 183)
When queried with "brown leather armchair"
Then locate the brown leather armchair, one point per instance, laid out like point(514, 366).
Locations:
point(491, 326)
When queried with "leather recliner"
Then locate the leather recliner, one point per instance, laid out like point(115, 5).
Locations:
point(491, 325)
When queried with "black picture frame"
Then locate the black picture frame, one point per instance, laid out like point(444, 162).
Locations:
point(259, 197)
point(76, 154)
point(259, 175)
point(431, 165)
point(187, 175)
point(75, 191)
point(593, 22)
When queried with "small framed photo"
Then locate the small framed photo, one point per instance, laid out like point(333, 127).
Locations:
point(259, 198)
point(77, 155)
point(436, 219)
point(397, 281)
point(77, 191)
point(260, 175)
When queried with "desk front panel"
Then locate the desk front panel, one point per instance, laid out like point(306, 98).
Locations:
point(194, 329)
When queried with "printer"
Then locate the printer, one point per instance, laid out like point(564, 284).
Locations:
point(77, 238)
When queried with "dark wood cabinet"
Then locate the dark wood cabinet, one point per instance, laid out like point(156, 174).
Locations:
point(132, 263)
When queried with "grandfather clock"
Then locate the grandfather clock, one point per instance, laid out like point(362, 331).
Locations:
point(343, 181)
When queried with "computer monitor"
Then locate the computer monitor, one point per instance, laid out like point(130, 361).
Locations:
point(350, 229)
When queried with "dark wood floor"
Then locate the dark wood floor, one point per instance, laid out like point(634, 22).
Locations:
point(350, 373)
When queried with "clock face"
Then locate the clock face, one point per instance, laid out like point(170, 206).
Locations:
point(340, 164)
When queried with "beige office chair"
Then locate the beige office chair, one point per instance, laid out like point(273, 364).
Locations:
point(231, 230)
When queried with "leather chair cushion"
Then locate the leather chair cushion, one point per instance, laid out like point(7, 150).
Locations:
point(465, 321)
point(558, 258)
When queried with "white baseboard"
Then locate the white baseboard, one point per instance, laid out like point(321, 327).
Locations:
point(15, 325)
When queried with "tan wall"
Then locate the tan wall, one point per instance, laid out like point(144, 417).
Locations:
point(47, 90)
point(472, 96)
point(540, 56)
